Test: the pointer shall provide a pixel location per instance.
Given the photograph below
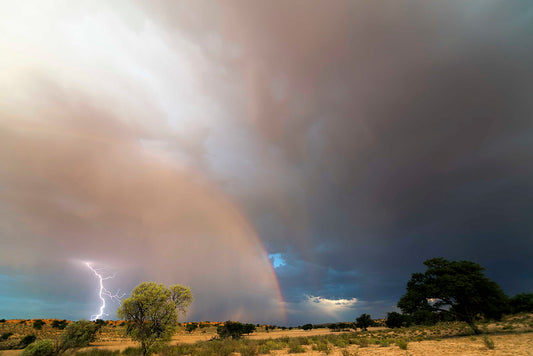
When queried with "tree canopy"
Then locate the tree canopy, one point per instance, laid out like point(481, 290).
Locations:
point(364, 321)
point(153, 311)
point(459, 288)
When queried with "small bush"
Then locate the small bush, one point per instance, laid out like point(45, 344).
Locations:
point(362, 342)
point(401, 344)
point(488, 342)
point(248, 349)
point(348, 353)
point(40, 348)
point(322, 347)
point(295, 347)
point(59, 324)
point(384, 343)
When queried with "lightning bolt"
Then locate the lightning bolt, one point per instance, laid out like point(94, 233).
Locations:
point(103, 292)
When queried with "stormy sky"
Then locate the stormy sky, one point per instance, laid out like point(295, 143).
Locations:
point(291, 161)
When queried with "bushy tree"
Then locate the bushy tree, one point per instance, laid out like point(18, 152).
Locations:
point(230, 329)
point(364, 321)
point(78, 334)
point(397, 320)
point(248, 328)
point(522, 302)
point(459, 288)
point(307, 326)
point(152, 312)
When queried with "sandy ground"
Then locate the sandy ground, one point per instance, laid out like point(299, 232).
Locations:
point(508, 344)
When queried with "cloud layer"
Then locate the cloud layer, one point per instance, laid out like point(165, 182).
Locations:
point(355, 139)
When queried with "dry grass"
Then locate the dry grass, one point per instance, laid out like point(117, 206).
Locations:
point(513, 335)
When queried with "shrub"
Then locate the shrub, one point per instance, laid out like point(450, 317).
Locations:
point(401, 344)
point(40, 348)
point(191, 327)
point(38, 324)
point(59, 324)
point(78, 334)
point(295, 347)
point(132, 351)
point(26, 340)
point(348, 353)
point(248, 349)
point(6, 336)
point(488, 342)
point(322, 347)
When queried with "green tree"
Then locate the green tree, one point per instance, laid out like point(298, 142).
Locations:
point(232, 329)
point(364, 321)
point(397, 320)
point(459, 288)
point(152, 312)
point(307, 326)
point(78, 334)
point(248, 328)
point(522, 302)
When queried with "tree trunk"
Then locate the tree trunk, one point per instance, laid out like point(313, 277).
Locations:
point(144, 348)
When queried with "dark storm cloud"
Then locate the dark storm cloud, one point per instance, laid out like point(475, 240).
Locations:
point(404, 132)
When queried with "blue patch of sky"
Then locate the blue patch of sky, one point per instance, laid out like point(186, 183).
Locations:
point(277, 260)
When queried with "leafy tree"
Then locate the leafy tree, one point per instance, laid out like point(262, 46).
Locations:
point(425, 317)
point(78, 334)
point(248, 328)
point(397, 320)
point(191, 327)
point(307, 326)
point(458, 288)
point(232, 329)
point(522, 302)
point(153, 311)
point(364, 321)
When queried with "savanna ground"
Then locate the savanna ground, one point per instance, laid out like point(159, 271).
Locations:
point(511, 336)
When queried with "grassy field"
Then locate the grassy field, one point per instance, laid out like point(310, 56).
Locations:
point(511, 336)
